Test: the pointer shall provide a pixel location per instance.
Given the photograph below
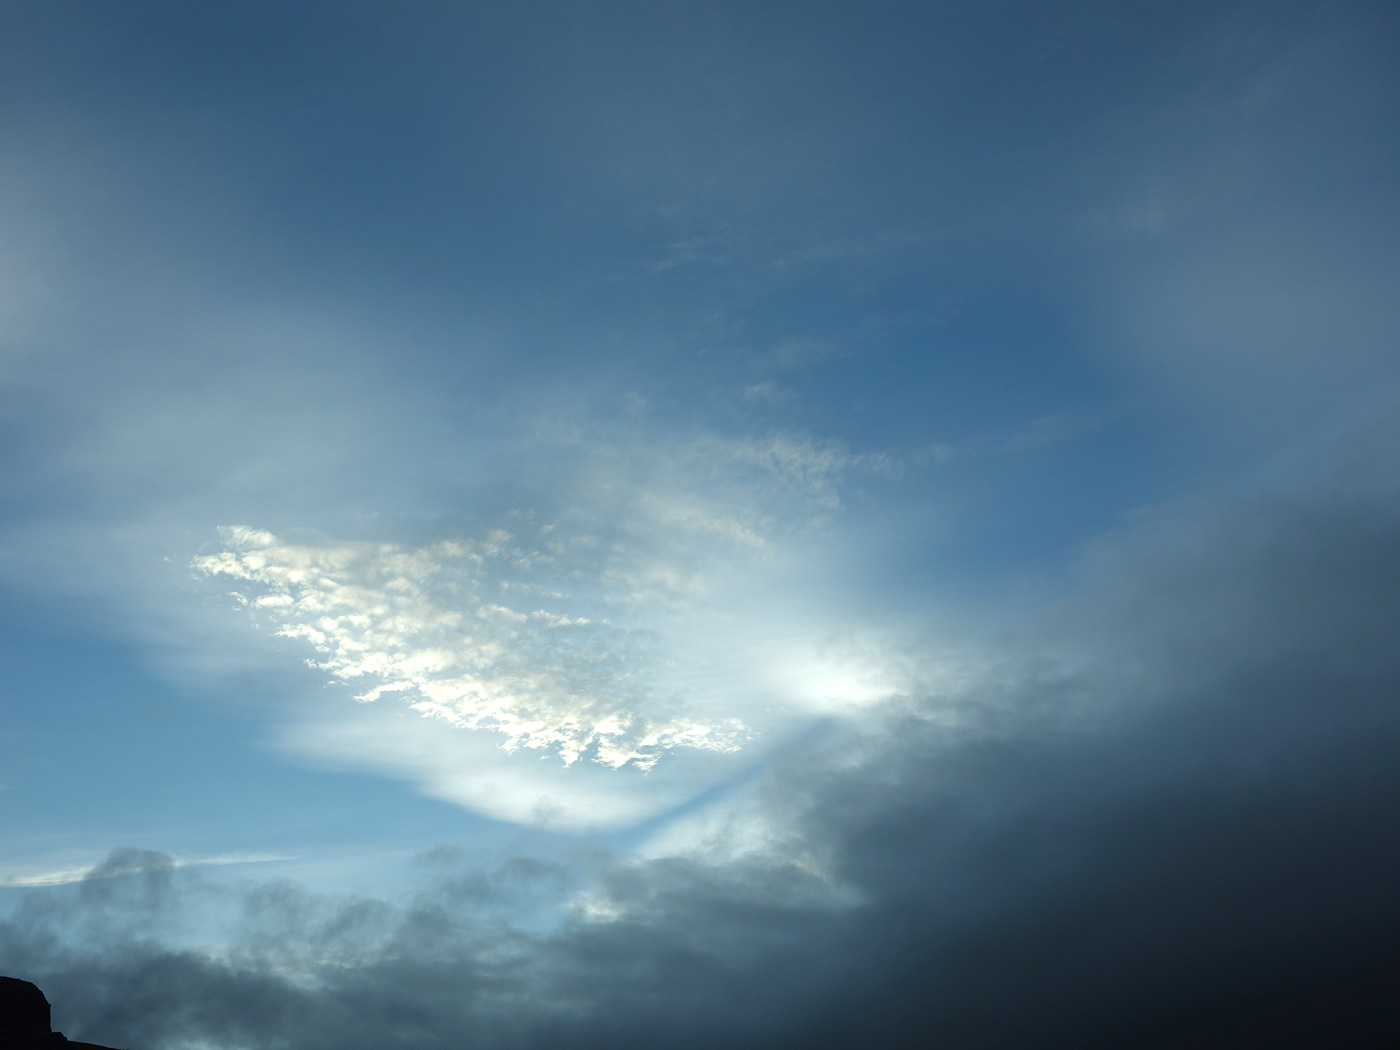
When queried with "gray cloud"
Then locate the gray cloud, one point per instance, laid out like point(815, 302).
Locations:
point(1167, 821)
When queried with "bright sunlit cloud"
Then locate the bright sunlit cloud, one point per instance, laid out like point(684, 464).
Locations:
point(475, 633)
point(621, 632)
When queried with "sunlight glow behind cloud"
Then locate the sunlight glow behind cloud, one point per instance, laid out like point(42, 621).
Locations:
point(589, 633)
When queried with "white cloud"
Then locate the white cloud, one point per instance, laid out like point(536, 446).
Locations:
point(480, 633)
point(470, 770)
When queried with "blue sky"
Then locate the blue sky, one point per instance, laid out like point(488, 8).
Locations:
point(698, 452)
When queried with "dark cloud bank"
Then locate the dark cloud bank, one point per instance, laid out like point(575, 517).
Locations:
point(1175, 826)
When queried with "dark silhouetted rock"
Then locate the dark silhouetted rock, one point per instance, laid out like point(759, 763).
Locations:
point(25, 1022)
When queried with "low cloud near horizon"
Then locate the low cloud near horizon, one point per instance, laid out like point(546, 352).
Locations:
point(1182, 836)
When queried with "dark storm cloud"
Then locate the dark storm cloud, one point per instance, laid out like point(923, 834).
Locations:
point(1168, 821)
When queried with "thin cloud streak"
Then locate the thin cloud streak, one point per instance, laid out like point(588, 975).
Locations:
point(106, 870)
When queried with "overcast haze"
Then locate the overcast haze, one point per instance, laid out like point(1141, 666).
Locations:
point(701, 524)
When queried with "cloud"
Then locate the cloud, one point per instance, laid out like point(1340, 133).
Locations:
point(470, 769)
point(1260, 288)
point(614, 595)
point(121, 864)
point(1163, 816)
point(575, 634)
point(455, 628)
point(1162, 813)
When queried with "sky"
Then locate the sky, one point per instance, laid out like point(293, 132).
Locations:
point(753, 524)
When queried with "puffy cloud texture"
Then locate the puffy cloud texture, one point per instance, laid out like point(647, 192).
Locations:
point(433, 624)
